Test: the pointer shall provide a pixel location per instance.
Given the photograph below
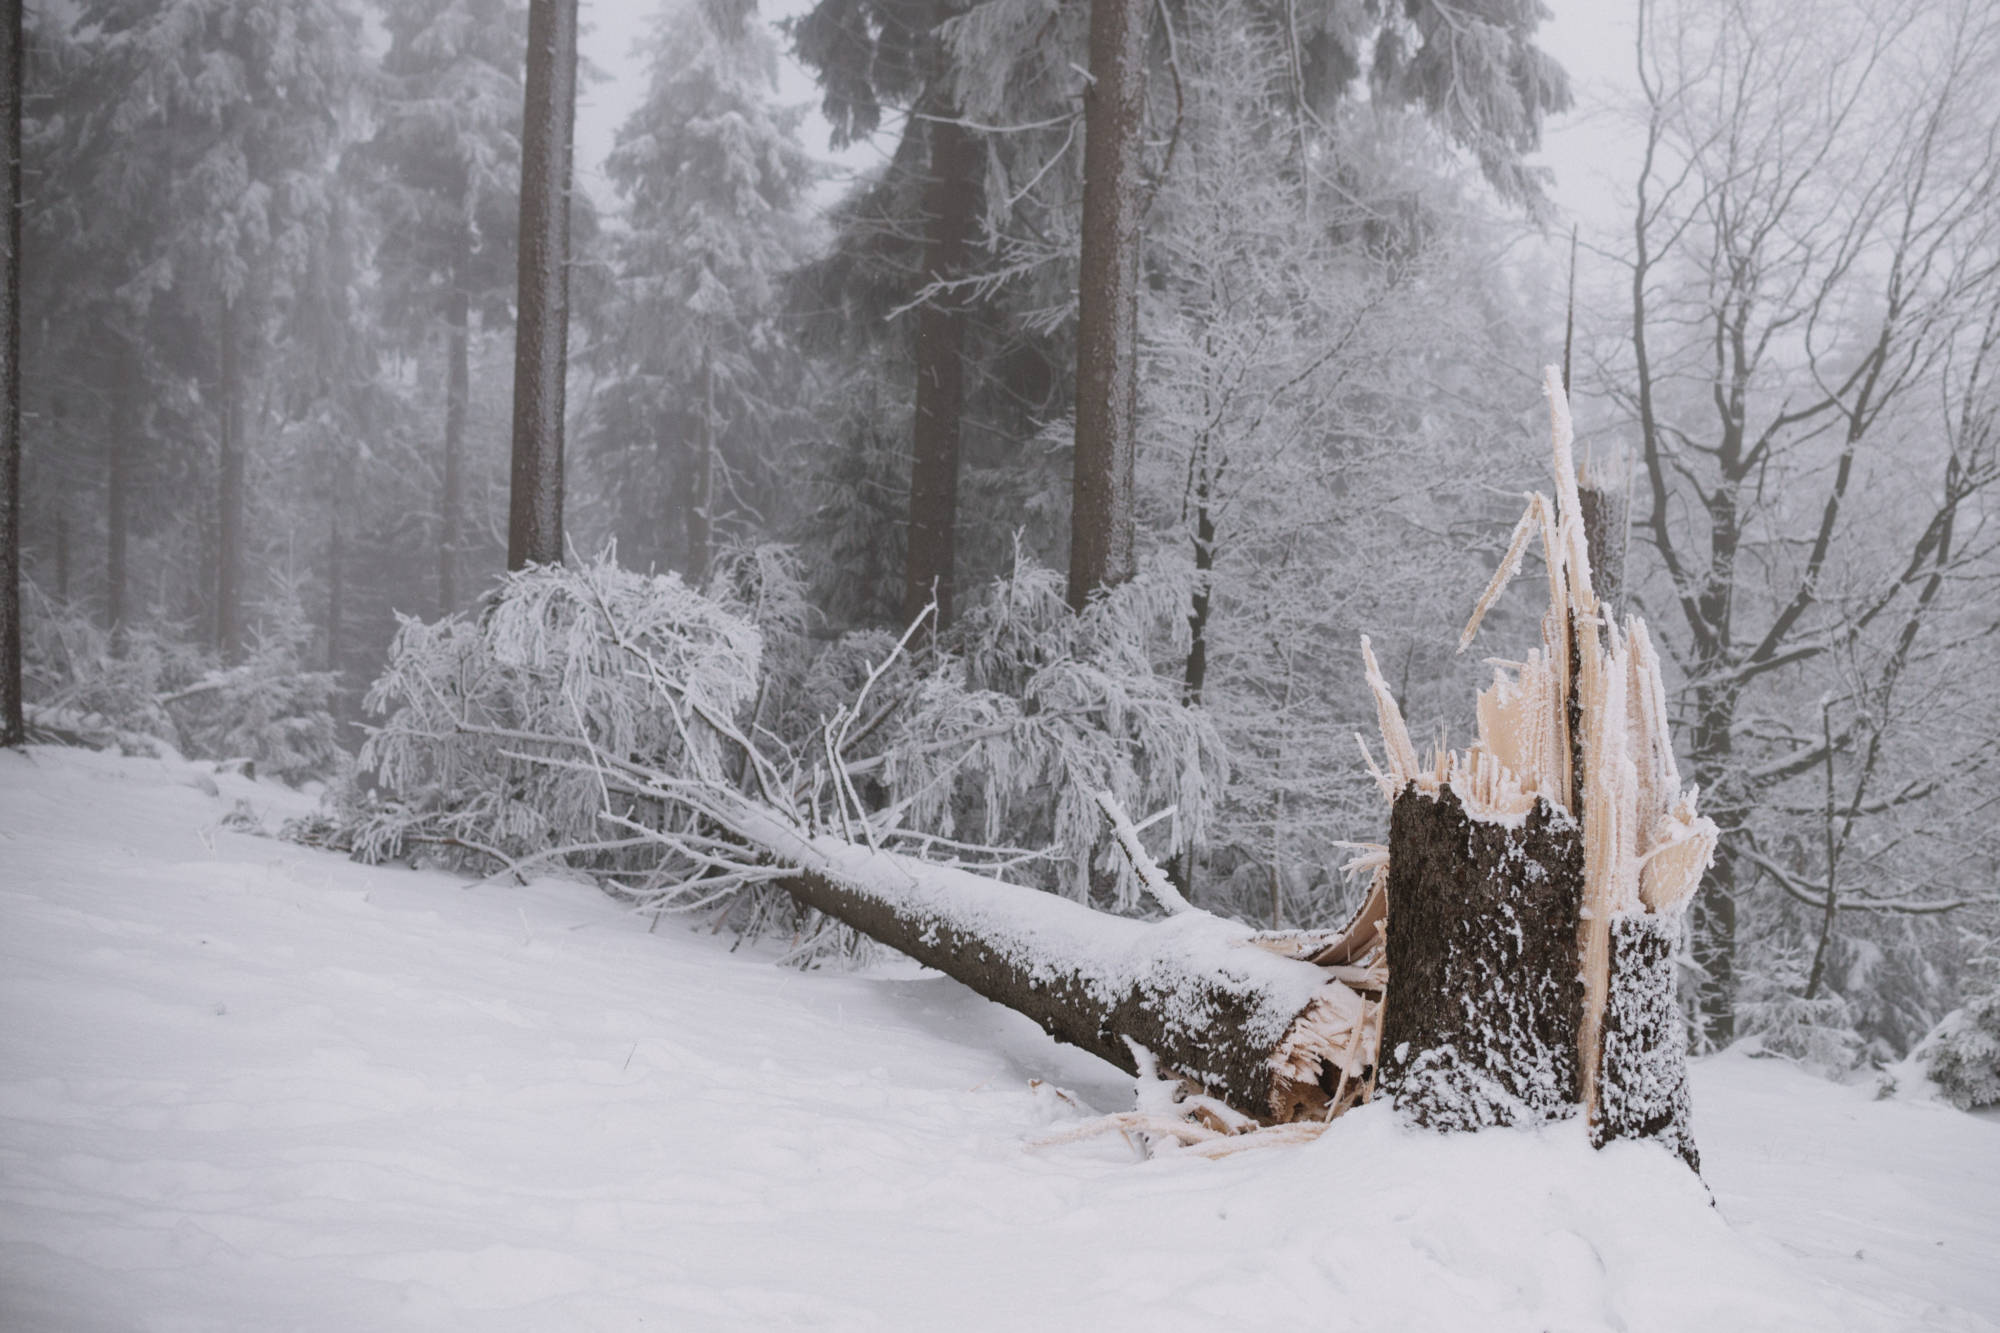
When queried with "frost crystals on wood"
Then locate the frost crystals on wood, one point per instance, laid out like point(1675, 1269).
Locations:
point(1565, 819)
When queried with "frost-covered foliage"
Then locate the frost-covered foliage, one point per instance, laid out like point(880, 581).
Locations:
point(77, 681)
point(495, 722)
point(1962, 1055)
point(1817, 1033)
point(588, 717)
point(139, 688)
point(1034, 709)
point(268, 709)
point(1304, 440)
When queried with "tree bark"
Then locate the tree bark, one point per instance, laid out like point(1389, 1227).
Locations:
point(1196, 673)
point(1195, 991)
point(541, 326)
point(336, 589)
point(1102, 519)
point(701, 493)
point(458, 389)
point(951, 212)
point(1642, 1082)
point(1713, 752)
point(1604, 519)
point(229, 496)
point(13, 66)
point(117, 490)
point(1485, 998)
point(1641, 1085)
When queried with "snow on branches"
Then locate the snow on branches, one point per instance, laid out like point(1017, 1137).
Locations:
point(532, 730)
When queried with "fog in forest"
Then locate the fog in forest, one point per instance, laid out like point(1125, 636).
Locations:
point(620, 440)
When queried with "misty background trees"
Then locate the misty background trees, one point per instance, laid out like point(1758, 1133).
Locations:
point(1158, 441)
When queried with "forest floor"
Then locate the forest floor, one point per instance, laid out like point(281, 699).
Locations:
point(247, 1085)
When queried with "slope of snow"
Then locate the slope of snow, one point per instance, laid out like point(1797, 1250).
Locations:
point(245, 1085)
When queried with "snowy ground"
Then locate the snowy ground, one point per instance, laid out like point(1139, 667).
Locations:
point(244, 1085)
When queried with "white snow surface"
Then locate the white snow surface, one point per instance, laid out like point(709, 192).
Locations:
point(247, 1085)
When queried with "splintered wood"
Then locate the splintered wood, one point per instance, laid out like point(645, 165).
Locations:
point(1527, 907)
point(1579, 723)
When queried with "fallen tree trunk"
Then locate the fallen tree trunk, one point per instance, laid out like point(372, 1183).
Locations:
point(1268, 1035)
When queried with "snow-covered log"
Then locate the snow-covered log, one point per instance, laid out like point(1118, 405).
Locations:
point(1271, 1036)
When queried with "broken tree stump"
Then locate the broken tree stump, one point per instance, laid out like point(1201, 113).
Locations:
point(1485, 998)
point(1537, 881)
point(1642, 1083)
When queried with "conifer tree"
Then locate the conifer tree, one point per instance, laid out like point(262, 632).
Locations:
point(241, 109)
point(701, 376)
point(446, 157)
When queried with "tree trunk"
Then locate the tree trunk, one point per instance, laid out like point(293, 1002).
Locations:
point(1641, 1088)
point(117, 491)
point(1255, 1029)
point(13, 66)
point(541, 327)
point(951, 212)
point(1102, 517)
point(1604, 518)
point(458, 382)
point(1642, 1081)
point(1537, 881)
point(336, 590)
point(1485, 999)
point(1712, 744)
point(701, 493)
point(1196, 674)
point(229, 497)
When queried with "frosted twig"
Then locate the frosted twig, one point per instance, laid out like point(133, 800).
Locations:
point(1150, 875)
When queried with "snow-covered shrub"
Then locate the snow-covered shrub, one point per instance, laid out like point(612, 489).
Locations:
point(268, 709)
point(145, 686)
point(79, 684)
point(1817, 1033)
point(593, 718)
point(499, 727)
point(1962, 1054)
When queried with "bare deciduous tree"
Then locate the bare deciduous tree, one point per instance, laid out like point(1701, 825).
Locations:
point(1812, 263)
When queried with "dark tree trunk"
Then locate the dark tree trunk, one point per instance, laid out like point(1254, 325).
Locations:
point(1196, 675)
point(701, 492)
point(336, 590)
point(1485, 997)
point(1107, 328)
point(1196, 993)
point(541, 327)
point(229, 497)
point(458, 382)
point(951, 213)
point(1604, 517)
point(1641, 1087)
point(13, 66)
point(1715, 906)
point(117, 491)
